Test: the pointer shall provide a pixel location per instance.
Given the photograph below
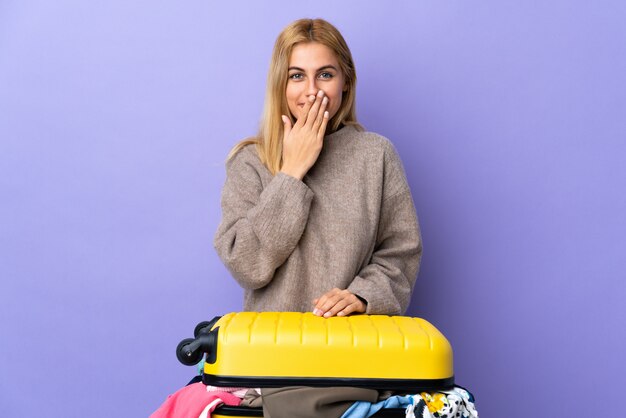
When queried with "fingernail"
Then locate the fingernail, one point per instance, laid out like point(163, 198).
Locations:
point(325, 100)
point(284, 118)
point(311, 98)
point(320, 93)
point(327, 315)
point(326, 114)
point(317, 312)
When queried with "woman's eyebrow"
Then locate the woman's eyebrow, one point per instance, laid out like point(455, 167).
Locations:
point(325, 67)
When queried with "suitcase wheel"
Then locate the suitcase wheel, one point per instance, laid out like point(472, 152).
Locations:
point(203, 328)
point(187, 354)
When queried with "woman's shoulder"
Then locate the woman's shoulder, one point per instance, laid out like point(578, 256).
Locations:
point(244, 152)
point(244, 160)
point(370, 141)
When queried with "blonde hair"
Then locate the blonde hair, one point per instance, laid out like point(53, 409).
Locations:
point(269, 140)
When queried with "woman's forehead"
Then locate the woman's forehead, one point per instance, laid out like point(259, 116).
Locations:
point(312, 55)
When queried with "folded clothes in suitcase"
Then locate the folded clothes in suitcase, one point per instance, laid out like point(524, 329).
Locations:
point(276, 349)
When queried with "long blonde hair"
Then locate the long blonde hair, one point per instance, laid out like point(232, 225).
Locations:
point(269, 140)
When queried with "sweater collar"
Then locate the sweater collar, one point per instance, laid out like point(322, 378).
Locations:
point(345, 130)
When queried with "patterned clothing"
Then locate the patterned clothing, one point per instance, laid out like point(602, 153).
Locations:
point(454, 403)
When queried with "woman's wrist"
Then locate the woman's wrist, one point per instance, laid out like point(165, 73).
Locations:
point(292, 172)
point(363, 301)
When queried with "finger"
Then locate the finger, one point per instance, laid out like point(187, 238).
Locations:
point(322, 129)
point(317, 303)
point(338, 307)
point(323, 301)
point(319, 118)
point(351, 308)
point(313, 111)
point(347, 298)
point(286, 125)
point(304, 112)
point(331, 301)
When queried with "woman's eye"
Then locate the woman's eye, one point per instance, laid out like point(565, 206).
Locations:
point(326, 75)
point(295, 76)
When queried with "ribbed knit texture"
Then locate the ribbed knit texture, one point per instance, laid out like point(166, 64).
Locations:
point(350, 223)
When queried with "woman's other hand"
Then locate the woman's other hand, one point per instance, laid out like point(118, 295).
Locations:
point(303, 142)
point(338, 302)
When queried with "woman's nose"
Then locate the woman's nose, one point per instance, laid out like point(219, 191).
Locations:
point(312, 88)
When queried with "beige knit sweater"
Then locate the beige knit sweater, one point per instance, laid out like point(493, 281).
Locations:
point(350, 223)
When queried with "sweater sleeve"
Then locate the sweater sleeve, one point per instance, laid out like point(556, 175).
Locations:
point(386, 283)
point(260, 227)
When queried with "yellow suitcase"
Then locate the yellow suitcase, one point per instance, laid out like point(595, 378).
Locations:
point(275, 349)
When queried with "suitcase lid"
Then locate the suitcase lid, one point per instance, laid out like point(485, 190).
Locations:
point(290, 348)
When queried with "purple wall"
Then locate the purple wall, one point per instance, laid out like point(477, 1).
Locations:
point(116, 117)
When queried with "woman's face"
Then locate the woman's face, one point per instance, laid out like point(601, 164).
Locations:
point(314, 67)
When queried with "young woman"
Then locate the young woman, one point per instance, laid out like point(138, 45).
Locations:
point(317, 214)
